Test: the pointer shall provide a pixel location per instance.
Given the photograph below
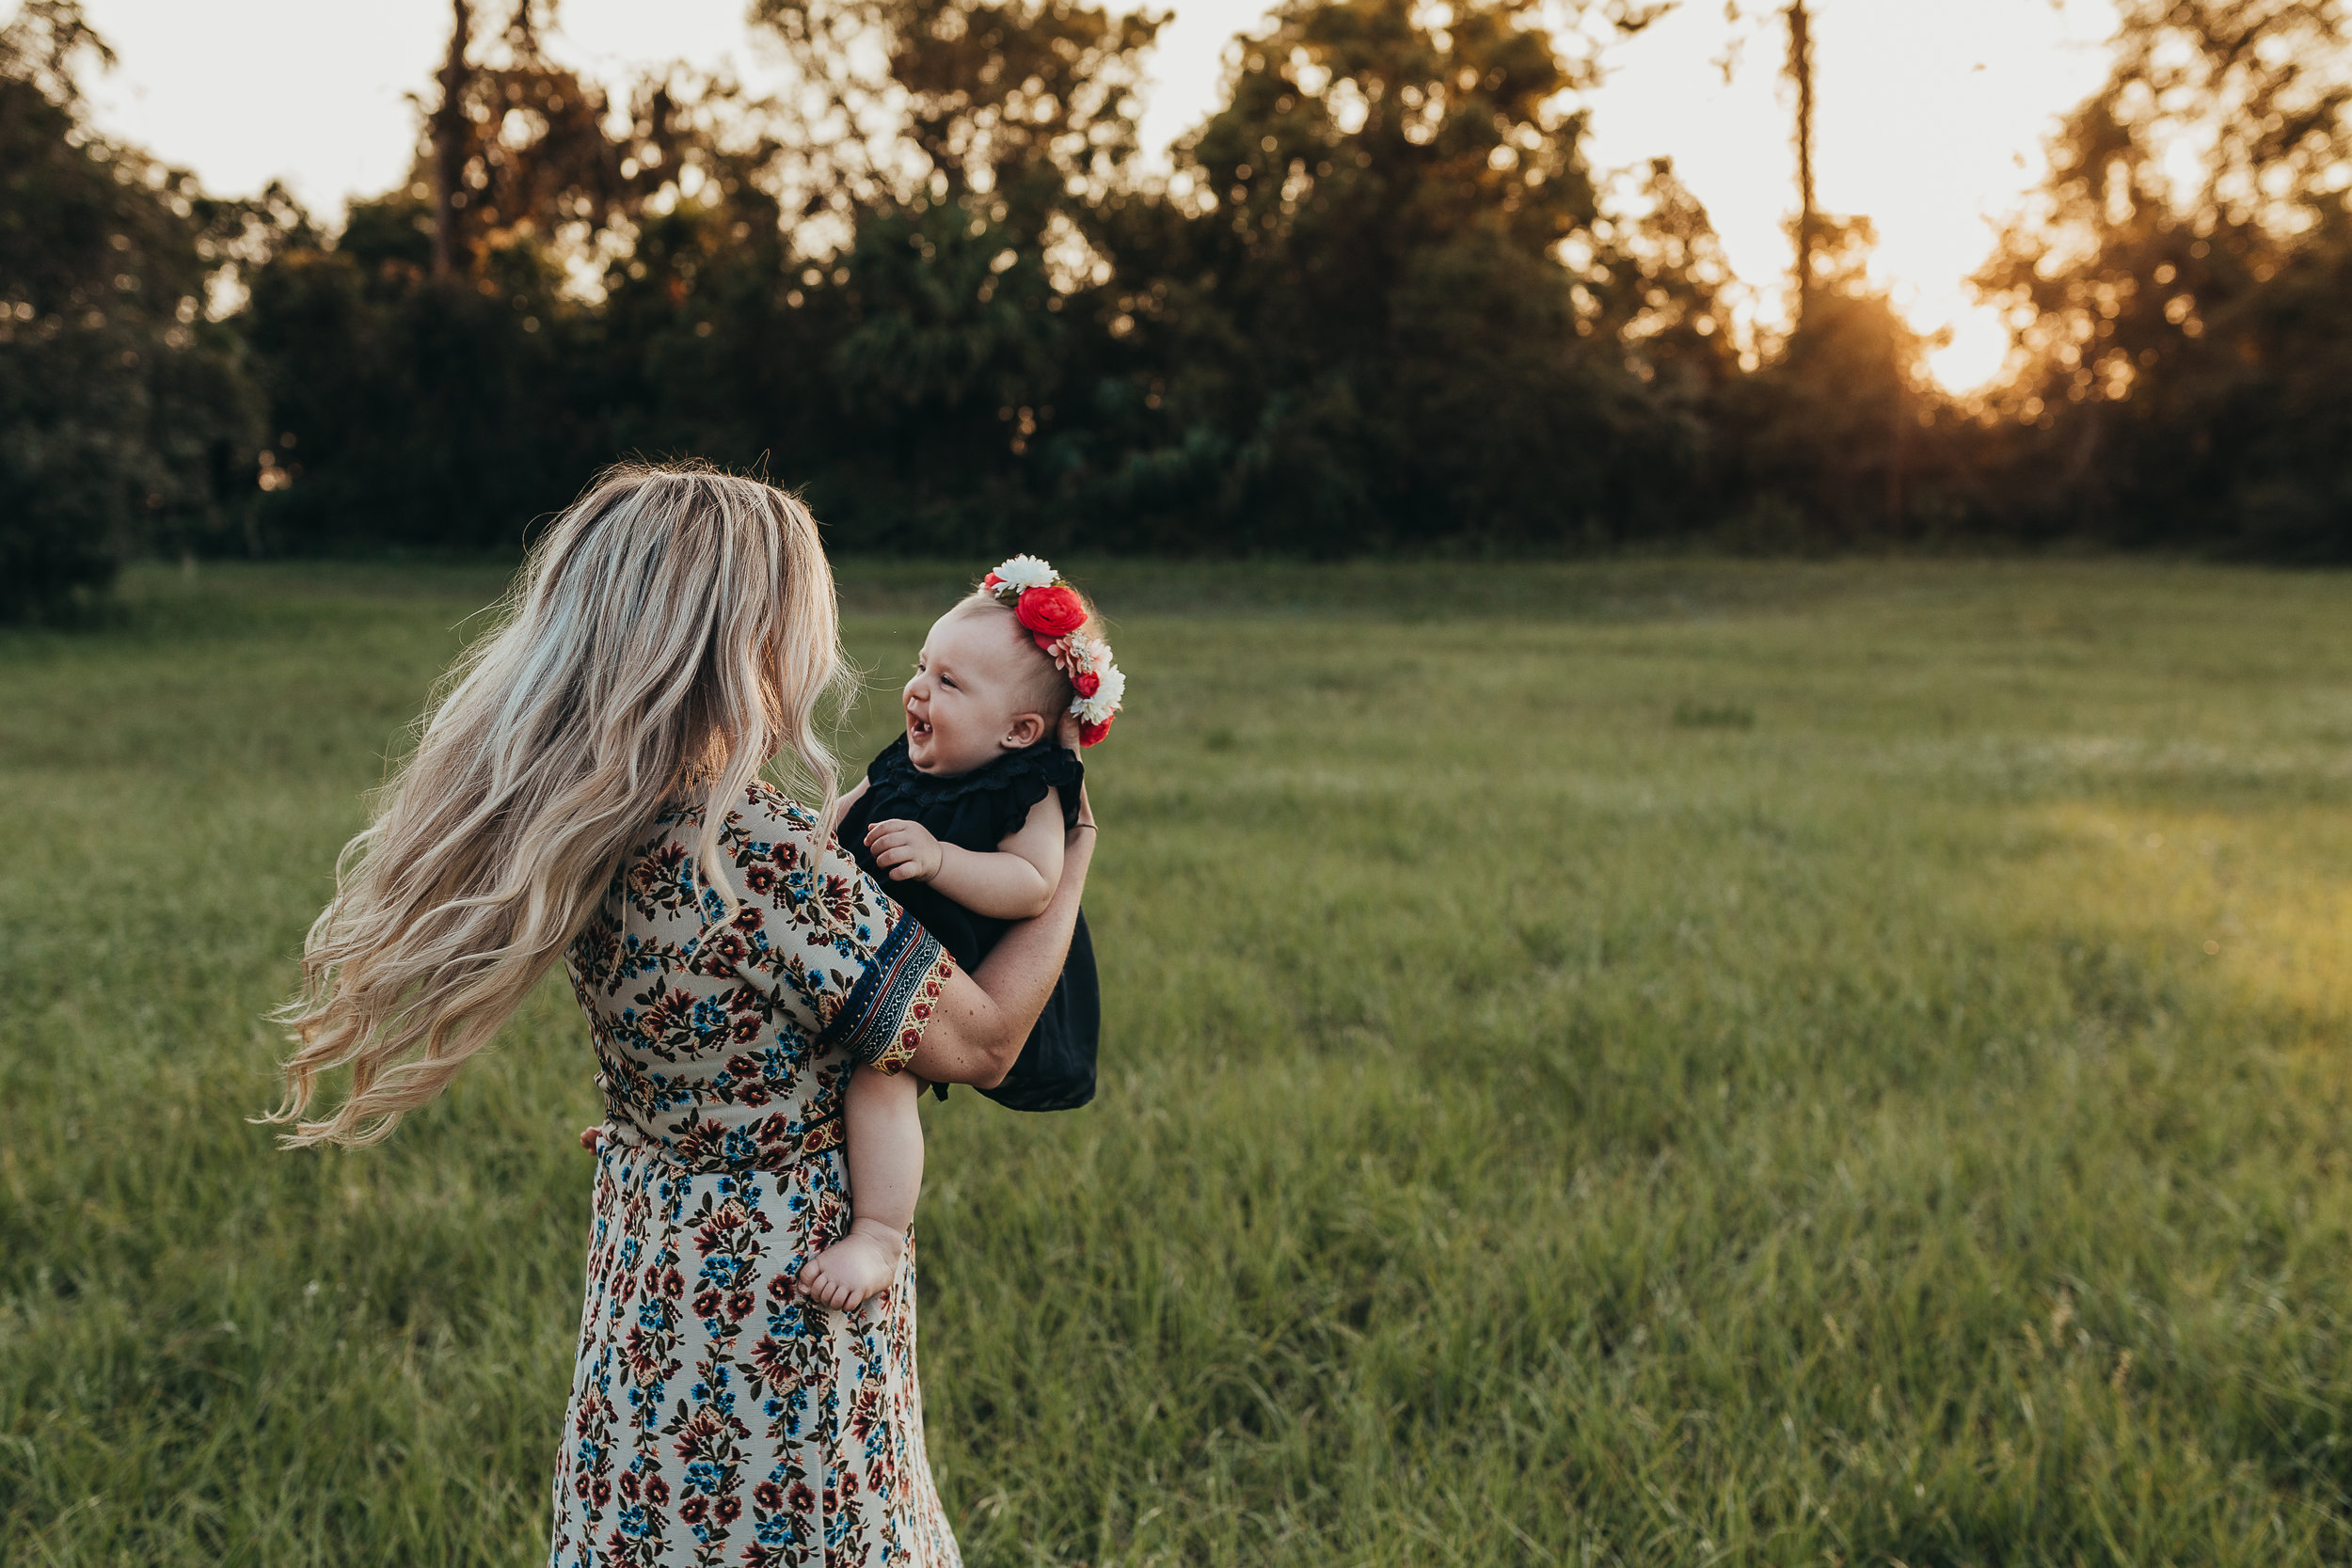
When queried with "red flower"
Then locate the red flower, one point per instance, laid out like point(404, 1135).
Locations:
point(769, 1495)
point(730, 1509)
point(1089, 734)
point(642, 1353)
point(699, 1437)
point(990, 580)
point(1051, 612)
point(1085, 683)
point(771, 1358)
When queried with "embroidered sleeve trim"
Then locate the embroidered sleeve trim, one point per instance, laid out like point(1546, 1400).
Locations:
point(881, 1021)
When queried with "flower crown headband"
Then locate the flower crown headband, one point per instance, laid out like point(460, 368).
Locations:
point(1054, 617)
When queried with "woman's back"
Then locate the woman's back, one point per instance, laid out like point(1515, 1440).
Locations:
point(726, 1037)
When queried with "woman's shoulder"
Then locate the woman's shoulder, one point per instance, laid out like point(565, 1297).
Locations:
point(764, 803)
point(760, 806)
point(761, 824)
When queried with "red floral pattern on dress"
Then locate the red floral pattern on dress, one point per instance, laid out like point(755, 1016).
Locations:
point(716, 1418)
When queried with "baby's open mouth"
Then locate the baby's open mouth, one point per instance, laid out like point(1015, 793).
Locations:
point(917, 727)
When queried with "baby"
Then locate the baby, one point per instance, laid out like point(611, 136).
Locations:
point(964, 815)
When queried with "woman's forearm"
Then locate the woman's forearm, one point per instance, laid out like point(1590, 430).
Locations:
point(1020, 971)
point(979, 1028)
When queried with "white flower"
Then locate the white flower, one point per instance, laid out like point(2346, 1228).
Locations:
point(1023, 572)
point(1094, 709)
point(1090, 652)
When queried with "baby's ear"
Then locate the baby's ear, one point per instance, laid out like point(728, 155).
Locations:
point(1025, 731)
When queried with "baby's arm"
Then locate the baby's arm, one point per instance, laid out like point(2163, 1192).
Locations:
point(886, 1156)
point(1014, 883)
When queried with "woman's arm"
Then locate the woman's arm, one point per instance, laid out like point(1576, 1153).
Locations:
point(985, 1017)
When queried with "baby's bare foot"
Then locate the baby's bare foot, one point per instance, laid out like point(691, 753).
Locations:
point(855, 1268)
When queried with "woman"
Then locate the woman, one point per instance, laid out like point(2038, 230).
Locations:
point(589, 789)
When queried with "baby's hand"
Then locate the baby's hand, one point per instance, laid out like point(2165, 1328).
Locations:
point(905, 849)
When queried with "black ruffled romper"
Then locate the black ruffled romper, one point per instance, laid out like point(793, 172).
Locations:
point(978, 811)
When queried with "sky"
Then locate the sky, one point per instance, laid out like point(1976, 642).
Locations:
point(1931, 114)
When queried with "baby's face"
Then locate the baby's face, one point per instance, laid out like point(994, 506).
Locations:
point(966, 705)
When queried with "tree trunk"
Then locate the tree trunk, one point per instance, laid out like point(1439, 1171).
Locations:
point(448, 124)
point(1808, 214)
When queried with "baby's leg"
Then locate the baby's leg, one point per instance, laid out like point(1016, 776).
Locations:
point(885, 1157)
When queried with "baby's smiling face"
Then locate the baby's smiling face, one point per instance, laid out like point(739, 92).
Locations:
point(974, 694)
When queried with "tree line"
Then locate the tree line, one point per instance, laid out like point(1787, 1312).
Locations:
point(1382, 303)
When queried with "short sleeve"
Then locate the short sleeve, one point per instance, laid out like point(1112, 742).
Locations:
point(866, 975)
point(882, 1018)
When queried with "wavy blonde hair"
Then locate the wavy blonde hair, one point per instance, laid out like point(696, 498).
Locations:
point(674, 630)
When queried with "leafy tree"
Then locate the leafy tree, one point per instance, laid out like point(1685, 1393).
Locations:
point(444, 370)
point(1378, 305)
point(1350, 321)
point(126, 418)
point(1024, 104)
point(1839, 438)
point(1665, 291)
point(420, 413)
point(966, 169)
point(2182, 345)
point(520, 151)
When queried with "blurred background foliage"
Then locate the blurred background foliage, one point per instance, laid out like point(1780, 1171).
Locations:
point(1380, 304)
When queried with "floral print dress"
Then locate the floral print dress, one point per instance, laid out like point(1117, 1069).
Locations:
point(715, 1415)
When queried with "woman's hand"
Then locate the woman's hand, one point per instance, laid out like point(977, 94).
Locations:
point(906, 849)
point(1070, 735)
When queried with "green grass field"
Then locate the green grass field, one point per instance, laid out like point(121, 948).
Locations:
point(1648, 1063)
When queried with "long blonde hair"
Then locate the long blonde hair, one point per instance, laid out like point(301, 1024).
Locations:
point(674, 630)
